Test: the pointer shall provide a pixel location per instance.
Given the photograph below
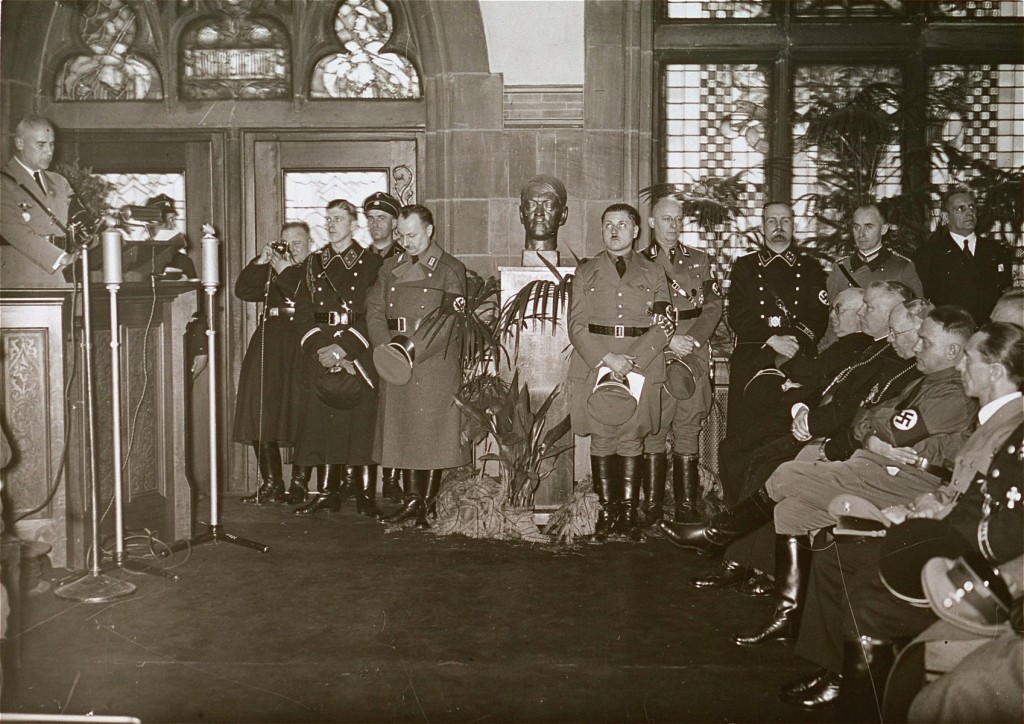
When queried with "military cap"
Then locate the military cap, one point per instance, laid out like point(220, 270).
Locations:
point(380, 201)
point(857, 516)
point(907, 547)
point(611, 402)
point(339, 388)
point(162, 201)
point(765, 388)
point(394, 360)
point(680, 380)
point(968, 592)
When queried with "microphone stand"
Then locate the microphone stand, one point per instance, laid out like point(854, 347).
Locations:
point(93, 586)
point(214, 531)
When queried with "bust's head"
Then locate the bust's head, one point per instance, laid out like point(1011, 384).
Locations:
point(542, 210)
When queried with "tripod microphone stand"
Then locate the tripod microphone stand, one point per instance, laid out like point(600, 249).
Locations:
point(214, 532)
point(94, 586)
point(112, 278)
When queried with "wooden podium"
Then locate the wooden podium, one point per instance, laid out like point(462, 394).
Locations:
point(40, 343)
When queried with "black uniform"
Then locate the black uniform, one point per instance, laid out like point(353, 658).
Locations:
point(951, 275)
point(331, 309)
point(771, 294)
point(274, 347)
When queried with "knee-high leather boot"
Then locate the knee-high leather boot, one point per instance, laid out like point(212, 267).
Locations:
point(298, 488)
point(271, 490)
point(686, 488)
point(655, 465)
point(712, 538)
point(792, 566)
point(351, 485)
point(429, 485)
point(327, 487)
point(604, 469)
point(866, 665)
point(630, 481)
point(392, 485)
point(412, 501)
point(366, 499)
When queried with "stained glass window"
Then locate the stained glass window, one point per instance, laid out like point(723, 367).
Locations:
point(979, 9)
point(976, 124)
point(306, 194)
point(111, 73)
point(363, 27)
point(845, 144)
point(236, 55)
point(716, 9)
point(848, 8)
point(714, 131)
point(135, 189)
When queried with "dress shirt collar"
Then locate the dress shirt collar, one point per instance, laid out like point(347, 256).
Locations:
point(986, 412)
point(971, 239)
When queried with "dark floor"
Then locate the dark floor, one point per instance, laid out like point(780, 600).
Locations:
point(342, 622)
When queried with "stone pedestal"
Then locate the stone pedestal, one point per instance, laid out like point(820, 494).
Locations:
point(543, 361)
point(534, 258)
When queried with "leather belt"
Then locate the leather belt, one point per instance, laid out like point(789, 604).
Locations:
point(682, 314)
point(281, 312)
point(943, 474)
point(333, 319)
point(618, 331)
point(401, 324)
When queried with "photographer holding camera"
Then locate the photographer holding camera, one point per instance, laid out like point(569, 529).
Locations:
point(266, 408)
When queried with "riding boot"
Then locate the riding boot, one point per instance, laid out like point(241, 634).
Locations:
point(298, 488)
point(271, 490)
point(866, 665)
point(686, 488)
point(429, 485)
point(818, 690)
point(712, 538)
point(327, 486)
point(792, 566)
point(366, 501)
point(630, 481)
point(392, 485)
point(351, 484)
point(655, 465)
point(412, 501)
point(604, 468)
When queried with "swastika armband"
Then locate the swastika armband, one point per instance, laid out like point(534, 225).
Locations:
point(907, 427)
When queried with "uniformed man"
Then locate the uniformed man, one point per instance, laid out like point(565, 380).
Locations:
point(331, 316)
point(959, 267)
point(777, 306)
point(697, 300)
point(381, 211)
point(871, 262)
point(619, 325)
point(266, 408)
point(982, 511)
point(34, 211)
point(418, 426)
point(906, 449)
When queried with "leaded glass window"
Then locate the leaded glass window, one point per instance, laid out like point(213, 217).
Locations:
point(976, 128)
point(848, 8)
point(845, 145)
point(307, 193)
point(111, 72)
point(969, 9)
point(135, 189)
point(235, 55)
point(363, 27)
point(716, 9)
point(715, 146)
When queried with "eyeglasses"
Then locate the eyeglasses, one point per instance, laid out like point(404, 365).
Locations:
point(894, 333)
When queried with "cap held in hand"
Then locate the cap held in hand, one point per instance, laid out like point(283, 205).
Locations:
point(611, 402)
point(394, 360)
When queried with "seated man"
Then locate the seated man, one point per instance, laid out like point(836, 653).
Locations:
point(905, 447)
point(878, 374)
point(848, 600)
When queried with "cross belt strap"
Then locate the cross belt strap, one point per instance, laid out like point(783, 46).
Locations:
point(618, 330)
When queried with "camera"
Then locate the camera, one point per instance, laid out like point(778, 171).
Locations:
point(281, 247)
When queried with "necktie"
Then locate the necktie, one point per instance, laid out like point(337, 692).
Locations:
point(38, 176)
point(414, 259)
point(967, 248)
point(620, 265)
point(672, 254)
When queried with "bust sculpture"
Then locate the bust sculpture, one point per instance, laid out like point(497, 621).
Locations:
point(542, 211)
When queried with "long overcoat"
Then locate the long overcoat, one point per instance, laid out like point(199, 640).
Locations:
point(418, 425)
point(331, 308)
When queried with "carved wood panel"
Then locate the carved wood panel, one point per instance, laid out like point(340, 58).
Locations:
point(27, 420)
